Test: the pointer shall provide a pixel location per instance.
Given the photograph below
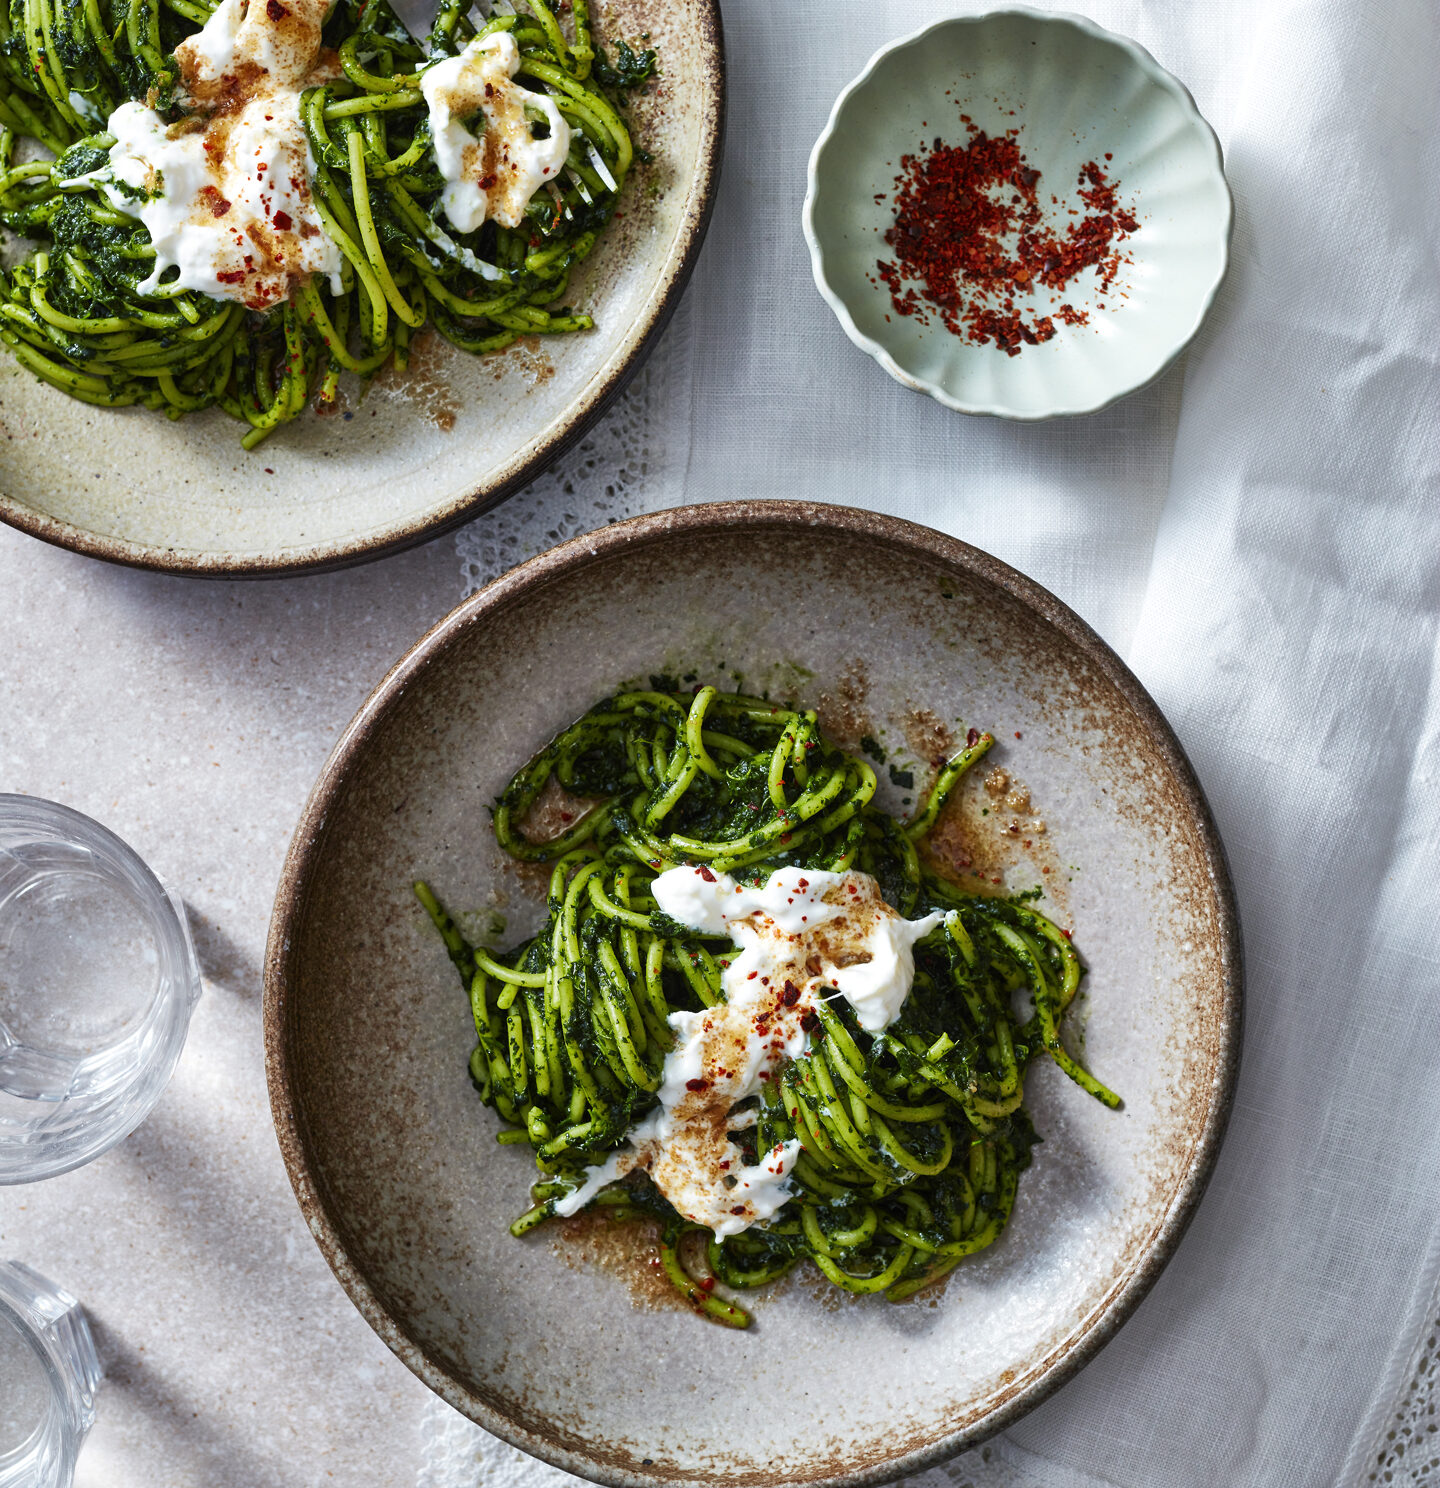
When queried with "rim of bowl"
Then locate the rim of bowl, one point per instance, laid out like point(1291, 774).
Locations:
point(556, 564)
point(573, 427)
point(1142, 59)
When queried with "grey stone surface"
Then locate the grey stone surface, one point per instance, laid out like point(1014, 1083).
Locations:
point(191, 717)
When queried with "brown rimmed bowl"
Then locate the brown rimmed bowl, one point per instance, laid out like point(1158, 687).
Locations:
point(423, 451)
point(897, 633)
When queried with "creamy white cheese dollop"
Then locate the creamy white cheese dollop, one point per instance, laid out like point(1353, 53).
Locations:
point(225, 193)
point(806, 935)
point(281, 40)
point(865, 950)
point(493, 173)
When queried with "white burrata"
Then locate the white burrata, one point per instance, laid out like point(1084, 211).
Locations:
point(495, 173)
point(225, 193)
point(803, 937)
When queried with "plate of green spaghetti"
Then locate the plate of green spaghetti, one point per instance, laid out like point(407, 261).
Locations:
point(285, 287)
point(872, 1122)
point(838, 963)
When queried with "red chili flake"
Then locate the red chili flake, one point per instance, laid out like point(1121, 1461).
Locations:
point(697, 1084)
point(725, 1165)
point(285, 222)
point(970, 236)
point(809, 1020)
point(707, 1283)
point(487, 183)
point(791, 994)
point(231, 276)
point(802, 884)
point(738, 1209)
point(275, 10)
point(705, 873)
point(972, 738)
point(1017, 733)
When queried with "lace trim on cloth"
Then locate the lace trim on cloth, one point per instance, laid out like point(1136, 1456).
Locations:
point(1399, 1442)
point(459, 1454)
point(632, 461)
point(1408, 1452)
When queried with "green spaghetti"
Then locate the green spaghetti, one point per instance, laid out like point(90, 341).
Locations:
point(908, 1142)
point(74, 311)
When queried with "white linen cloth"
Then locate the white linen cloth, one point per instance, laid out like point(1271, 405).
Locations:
point(1265, 548)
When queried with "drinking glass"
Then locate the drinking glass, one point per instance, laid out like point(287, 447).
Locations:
point(98, 979)
point(48, 1376)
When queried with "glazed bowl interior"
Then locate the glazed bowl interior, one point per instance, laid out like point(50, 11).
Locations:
point(1076, 94)
point(423, 449)
point(892, 631)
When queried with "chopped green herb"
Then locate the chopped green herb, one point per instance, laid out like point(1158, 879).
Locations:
point(630, 69)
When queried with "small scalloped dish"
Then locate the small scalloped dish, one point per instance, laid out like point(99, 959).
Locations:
point(1076, 94)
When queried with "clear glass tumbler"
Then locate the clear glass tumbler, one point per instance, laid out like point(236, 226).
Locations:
point(48, 1376)
point(98, 979)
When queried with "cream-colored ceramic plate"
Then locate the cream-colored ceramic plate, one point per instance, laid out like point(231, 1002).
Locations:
point(1077, 93)
point(892, 630)
point(422, 452)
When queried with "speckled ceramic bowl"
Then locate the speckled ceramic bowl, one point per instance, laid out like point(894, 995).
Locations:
point(423, 452)
point(891, 630)
point(1077, 94)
